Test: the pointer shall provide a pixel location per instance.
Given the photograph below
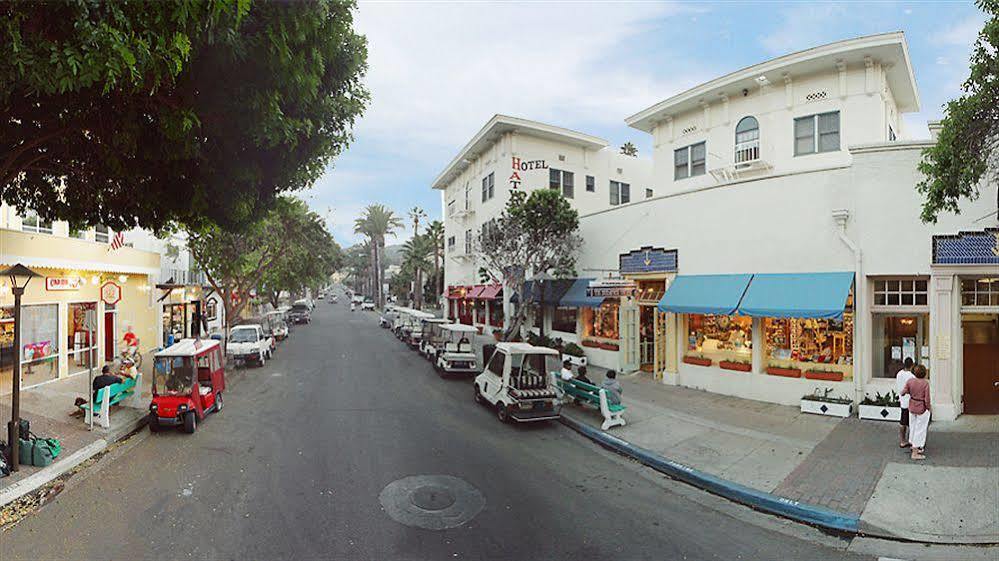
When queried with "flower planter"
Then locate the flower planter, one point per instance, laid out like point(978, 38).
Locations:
point(826, 408)
point(786, 372)
point(737, 366)
point(827, 376)
point(880, 412)
point(608, 346)
point(697, 361)
point(591, 344)
point(575, 360)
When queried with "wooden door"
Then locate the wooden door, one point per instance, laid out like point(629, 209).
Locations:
point(110, 337)
point(628, 326)
point(981, 367)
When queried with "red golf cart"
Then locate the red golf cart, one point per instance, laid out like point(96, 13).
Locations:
point(188, 381)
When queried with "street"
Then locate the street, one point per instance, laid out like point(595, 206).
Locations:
point(294, 466)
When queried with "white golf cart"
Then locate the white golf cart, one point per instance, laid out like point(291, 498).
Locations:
point(427, 330)
point(432, 340)
point(518, 381)
point(455, 354)
point(412, 332)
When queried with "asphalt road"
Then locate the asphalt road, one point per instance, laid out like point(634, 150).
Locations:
point(294, 465)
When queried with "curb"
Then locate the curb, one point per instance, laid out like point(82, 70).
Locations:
point(37, 480)
point(821, 517)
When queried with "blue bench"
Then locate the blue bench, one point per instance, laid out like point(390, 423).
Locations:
point(592, 395)
point(111, 395)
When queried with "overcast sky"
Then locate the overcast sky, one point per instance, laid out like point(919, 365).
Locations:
point(439, 70)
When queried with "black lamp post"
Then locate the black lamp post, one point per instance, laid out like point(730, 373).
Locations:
point(19, 276)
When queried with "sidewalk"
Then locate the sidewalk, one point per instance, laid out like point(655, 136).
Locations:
point(846, 465)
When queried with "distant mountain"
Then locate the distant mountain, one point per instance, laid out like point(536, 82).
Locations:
point(393, 254)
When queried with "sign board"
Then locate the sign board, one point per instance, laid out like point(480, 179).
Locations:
point(648, 260)
point(518, 166)
point(63, 283)
point(967, 248)
point(611, 288)
point(110, 293)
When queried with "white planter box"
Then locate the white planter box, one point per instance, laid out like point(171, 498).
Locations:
point(575, 360)
point(880, 413)
point(828, 409)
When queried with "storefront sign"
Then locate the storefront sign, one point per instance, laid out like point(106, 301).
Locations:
point(62, 283)
point(648, 260)
point(967, 248)
point(110, 293)
point(611, 288)
point(519, 165)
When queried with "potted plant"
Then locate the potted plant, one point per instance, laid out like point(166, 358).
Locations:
point(737, 365)
point(787, 372)
point(820, 402)
point(574, 354)
point(881, 407)
point(699, 360)
point(591, 344)
point(609, 346)
point(821, 374)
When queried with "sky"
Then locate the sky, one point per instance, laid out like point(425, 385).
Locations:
point(438, 71)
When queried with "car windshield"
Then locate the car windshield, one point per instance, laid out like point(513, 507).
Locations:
point(173, 374)
point(538, 364)
point(299, 308)
point(243, 336)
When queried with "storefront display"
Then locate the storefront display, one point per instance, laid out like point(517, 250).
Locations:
point(80, 337)
point(602, 322)
point(7, 353)
point(810, 348)
point(564, 319)
point(717, 337)
point(896, 338)
point(174, 322)
point(39, 344)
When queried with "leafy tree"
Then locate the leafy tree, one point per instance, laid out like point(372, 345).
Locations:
point(416, 259)
point(194, 111)
point(536, 235)
point(308, 262)
point(357, 264)
point(966, 154)
point(435, 236)
point(629, 149)
point(377, 223)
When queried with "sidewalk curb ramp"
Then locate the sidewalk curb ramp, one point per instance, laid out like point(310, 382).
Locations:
point(821, 517)
point(35, 481)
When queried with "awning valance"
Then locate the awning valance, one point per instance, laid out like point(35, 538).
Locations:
point(705, 294)
point(553, 291)
point(576, 296)
point(491, 291)
point(797, 295)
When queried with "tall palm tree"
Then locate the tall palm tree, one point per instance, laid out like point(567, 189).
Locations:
point(435, 235)
point(415, 256)
point(416, 214)
point(377, 223)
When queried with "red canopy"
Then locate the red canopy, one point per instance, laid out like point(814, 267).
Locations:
point(456, 292)
point(475, 291)
point(490, 292)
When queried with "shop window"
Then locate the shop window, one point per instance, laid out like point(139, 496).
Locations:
point(488, 187)
point(496, 313)
point(651, 291)
point(564, 319)
point(32, 223)
point(81, 337)
point(101, 234)
point(823, 345)
point(174, 323)
point(561, 180)
point(620, 193)
point(211, 309)
point(900, 292)
point(689, 161)
point(602, 322)
point(816, 133)
point(7, 353)
point(720, 337)
point(591, 183)
point(980, 292)
point(896, 338)
point(480, 311)
point(39, 352)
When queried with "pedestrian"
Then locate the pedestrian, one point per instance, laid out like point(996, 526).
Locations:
point(903, 376)
point(566, 373)
point(612, 388)
point(918, 390)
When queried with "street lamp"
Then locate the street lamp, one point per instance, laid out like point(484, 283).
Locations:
point(19, 276)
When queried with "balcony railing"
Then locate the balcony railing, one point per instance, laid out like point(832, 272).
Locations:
point(747, 152)
point(182, 276)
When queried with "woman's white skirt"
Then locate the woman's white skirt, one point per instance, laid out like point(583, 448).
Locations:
point(918, 426)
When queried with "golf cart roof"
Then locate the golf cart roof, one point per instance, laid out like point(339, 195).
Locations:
point(460, 328)
point(188, 347)
point(524, 349)
point(247, 326)
point(437, 320)
point(274, 313)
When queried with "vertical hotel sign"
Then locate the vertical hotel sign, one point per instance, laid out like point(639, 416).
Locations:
point(519, 166)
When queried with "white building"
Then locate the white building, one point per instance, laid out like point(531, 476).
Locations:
point(510, 154)
point(795, 179)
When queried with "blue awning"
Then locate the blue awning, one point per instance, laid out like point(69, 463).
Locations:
point(554, 289)
point(797, 295)
point(705, 294)
point(576, 296)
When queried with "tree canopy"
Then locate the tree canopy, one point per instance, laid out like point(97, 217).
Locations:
point(966, 154)
point(145, 113)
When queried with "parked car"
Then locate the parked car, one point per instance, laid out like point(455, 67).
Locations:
point(300, 313)
point(278, 324)
point(249, 343)
point(518, 382)
point(367, 304)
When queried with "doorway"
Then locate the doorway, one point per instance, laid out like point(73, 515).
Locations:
point(981, 363)
point(110, 334)
point(647, 338)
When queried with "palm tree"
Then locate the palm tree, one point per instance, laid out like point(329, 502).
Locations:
point(377, 223)
point(435, 235)
point(415, 254)
point(416, 214)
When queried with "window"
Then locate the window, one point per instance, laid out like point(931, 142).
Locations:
point(648, 193)
point(824, 345)
point(450, 208)
point(488, 187)
point(79, 339)
point(720, 337)
point(468, 241)
point(497, 363)
point(620, 193)
point(468, 196)
point(211, 309)
point(496, 313)
point(747, 140)
point(564, 319)
point(816, 133)
point(896, 338)
point(980, 292)
point(563, 180)
point(900, 292)
point(602, 322)
point(101, 234)
point(891, 134)
point(689, 161)
point(32, 223)
point(39, 344)
point(591, 183)
point(450, 243)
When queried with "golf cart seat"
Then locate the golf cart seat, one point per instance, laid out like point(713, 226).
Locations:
point(464, 346)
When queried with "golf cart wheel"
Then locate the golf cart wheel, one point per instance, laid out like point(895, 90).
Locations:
point(218, 402)
point(502, 413)
point(478, 396)
point(154, 423)
point(190, 422)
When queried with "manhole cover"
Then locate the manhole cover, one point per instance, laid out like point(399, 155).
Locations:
point(434, 502)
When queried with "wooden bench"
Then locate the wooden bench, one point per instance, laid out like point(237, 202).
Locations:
point(114, 394)
point(588, 393)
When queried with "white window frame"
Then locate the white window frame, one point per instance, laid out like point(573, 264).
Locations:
point(689, 164)
point(816, 140)
point(106, 235)
point(620, 193)
point(557, 179)
point(591, 184)
point(488, 186)
point(896, 290)
point(988, 293)
point(33, 223)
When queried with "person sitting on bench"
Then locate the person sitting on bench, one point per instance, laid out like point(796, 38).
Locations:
point(566, 373)
point(581, 376)
point(612, 388)
point(104, 380)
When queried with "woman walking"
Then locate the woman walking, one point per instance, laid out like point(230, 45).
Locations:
point(918, 390)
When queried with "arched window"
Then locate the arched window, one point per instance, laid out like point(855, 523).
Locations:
point(747, 140)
